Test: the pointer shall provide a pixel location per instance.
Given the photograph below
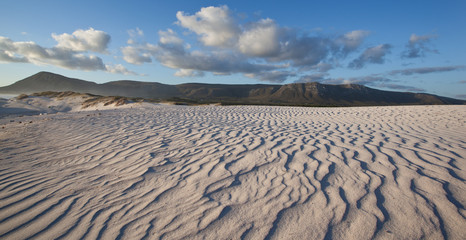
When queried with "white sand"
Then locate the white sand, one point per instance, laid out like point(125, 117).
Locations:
point(239, 172)
point(33, 105)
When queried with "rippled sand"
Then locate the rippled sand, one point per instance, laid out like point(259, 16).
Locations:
point(240, 172)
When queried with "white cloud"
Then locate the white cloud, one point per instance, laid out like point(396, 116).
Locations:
point(169, 37)
point(71, 52)
point(11, 51)
point(83, 40)
point(260, 40)
point(7, 56)
point(75, 61)
point(188, 73)
point(119, 69)
point(177, 56)
point(8, 50)
point(139, 52)
point(214, 25)
point(136, 54)
point(217, 27)
point(253, 49)
point(259, 49)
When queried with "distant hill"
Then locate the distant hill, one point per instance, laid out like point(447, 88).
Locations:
point(302, 94)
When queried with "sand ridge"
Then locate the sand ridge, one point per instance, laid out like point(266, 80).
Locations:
point(237, 172)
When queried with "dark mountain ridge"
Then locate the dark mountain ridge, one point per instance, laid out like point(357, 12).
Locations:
point(304, 94)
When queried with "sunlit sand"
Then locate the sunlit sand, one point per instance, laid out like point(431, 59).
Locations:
point(236, 172)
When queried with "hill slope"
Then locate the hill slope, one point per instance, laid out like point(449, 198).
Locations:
point(309, 94)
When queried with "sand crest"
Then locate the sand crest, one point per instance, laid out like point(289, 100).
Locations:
point(237, 172)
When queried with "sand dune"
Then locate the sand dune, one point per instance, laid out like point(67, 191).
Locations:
point(59, 102)
point(239, 172)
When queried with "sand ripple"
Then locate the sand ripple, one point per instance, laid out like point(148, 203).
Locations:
point(240, 172)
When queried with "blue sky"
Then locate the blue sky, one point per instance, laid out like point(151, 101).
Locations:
point(392, 45)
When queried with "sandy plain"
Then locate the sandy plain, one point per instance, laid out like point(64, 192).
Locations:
point(235, 172)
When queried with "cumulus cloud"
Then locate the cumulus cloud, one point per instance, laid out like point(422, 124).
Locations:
point(260, 49)
point(136, 54)
point(418, 45)
point(6, 56)
point(171, 51)
point(72, 51)
point(177, 56)
point(169, 37)
point(188, 73)
point(31, 52)
point(250, 56)
point(83, 40)
point(239, 48)
point(371, 55)
point(214, 25)
point(70, 60)
point(260, 39)
point(8, 50)
point(425, 70)
point(119, 69)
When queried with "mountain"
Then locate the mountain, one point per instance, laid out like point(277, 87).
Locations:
point(45, 81)
point(306, 94)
